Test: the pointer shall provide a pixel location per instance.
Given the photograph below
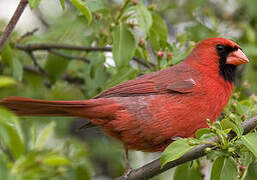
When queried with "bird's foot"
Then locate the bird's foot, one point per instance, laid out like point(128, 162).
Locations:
point(128, 167)
point(126, 173)
point(176, 138)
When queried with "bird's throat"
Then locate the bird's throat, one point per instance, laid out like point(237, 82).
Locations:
point(227, 72)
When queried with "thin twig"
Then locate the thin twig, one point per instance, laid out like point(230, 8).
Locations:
point(12, 23)
point(40, 70)
point(73, 79)
point(154, 168)
point(39, 15)
point(84, 59)
point(36, 64)
point(66, 77)
point(27, 34)
point(144, 63)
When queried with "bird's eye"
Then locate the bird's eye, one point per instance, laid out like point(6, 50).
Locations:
point(220, 48)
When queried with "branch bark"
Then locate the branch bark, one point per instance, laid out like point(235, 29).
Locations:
point(27, 34)
point(154, 168)
point(52, 47)
point(36, 64)
point(37, 47)
point(84, 59)
point(12, 23)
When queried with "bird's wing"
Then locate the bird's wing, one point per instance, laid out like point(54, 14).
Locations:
point(177, 79)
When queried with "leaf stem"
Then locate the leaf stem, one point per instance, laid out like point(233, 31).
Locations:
point(121, 12)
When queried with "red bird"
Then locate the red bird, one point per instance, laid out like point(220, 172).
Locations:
point(148, 112)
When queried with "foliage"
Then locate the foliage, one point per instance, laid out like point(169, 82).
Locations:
point(142, 36)
point(231, 156)
point(36, 159)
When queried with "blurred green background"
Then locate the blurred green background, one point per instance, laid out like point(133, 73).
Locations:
point(55, 148)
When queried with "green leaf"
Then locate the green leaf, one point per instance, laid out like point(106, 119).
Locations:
point(62, 4)
point(6, 81)
point(34, 3)
point(7, 54)
point(175, 150)
point(246, 160)
point(12, 62)
point(81, 6)
point(95, 74)
point(95, 6)
point(201, 132)
point(249, 49)
point(182, 39)
point(249, 141)
point(217, 168)
point(124, 45)
point(158, 32)
point(224, 169)
point(44, 135)
point(4, 170)
point(55, 160)
point(228, 124)
point(251, 171)
point(56, 66)
point(82, 173)
point(186, 172)
point(17, 69)
point(123, 74)
point(10, 133)
point(229, 170)
point(144, 17)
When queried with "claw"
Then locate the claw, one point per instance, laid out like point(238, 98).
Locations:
point(127, 172)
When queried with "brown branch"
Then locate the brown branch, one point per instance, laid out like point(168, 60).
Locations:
point(36, 64)
point(50, 47)
point(36, 47)
point(84, 59)
point(144, 63)
point(73, 79)
point(154, 168)
point(27, 34)
point(12, 23)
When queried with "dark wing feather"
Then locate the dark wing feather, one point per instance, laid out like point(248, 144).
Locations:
point(180, 78)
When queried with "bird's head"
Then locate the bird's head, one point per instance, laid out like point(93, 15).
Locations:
point(219, 54)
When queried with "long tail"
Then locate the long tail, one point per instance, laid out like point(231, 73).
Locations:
point(95, 108)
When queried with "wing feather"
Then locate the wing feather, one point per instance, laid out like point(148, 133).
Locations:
point(177, 79)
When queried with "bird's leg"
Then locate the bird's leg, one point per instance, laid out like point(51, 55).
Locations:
point(127, 164)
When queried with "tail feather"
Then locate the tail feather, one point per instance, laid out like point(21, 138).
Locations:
point(29, 107)
point(93, 109)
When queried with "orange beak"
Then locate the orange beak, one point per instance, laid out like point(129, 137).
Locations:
point(237, 57)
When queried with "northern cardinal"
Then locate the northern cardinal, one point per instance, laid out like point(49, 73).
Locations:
point(148, 112)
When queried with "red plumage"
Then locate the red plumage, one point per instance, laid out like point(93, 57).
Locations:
point(148, 112)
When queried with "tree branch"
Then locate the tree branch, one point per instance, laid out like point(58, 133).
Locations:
point(12, 23)
point(36, 47)
point(36, 64)
point(84, 59)
point(51, 47)
point(144, 63)
point(154, 168)
point(27, 34)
